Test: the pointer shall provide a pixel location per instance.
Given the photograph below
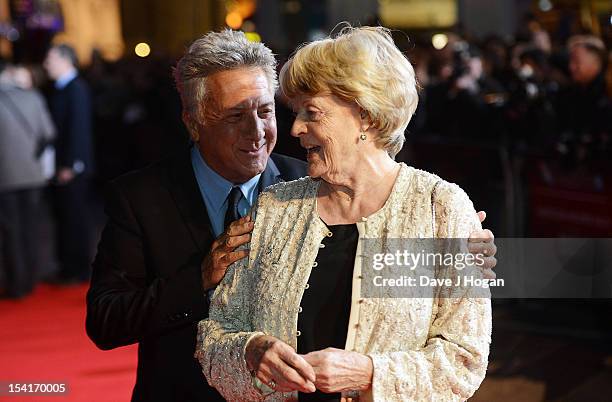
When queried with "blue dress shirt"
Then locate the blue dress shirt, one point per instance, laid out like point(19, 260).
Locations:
point(65, 79)
point(215, 189)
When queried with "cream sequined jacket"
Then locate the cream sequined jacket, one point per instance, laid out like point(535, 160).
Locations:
point(423, 349)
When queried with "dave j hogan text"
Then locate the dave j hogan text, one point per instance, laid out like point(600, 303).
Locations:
point(428, 281)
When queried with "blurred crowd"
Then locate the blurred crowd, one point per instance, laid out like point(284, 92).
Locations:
point(532, 97)
point(542, 96)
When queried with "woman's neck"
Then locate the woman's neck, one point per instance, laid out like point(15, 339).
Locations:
point(357, 194)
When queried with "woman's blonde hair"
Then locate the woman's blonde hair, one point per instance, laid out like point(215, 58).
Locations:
point(362, 65)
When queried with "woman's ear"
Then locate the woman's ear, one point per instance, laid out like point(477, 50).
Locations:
point(366, 120)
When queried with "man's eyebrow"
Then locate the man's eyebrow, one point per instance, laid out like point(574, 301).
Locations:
point(247, 105)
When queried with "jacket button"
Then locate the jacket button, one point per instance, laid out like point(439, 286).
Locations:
point(299, 333)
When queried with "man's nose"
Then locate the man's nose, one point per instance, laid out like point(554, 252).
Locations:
point(256, 129)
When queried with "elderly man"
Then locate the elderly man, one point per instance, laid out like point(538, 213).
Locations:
point(168, 240)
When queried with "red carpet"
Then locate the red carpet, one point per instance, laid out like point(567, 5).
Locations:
point(43, 339)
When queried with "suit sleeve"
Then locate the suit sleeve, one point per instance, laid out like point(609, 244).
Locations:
point(78, 131)
point(123, 305)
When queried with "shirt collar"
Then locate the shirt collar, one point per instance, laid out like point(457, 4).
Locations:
point(217, 187)
point(65, 79)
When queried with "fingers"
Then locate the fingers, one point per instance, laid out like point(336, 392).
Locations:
point(488, 273)
point(484, 248)
point(482, 215)
point(304, 369)
point(484, 235)
point(277, 364)
point(230, 258)
point(288, 379)
point(241, 226)
point(482, 243)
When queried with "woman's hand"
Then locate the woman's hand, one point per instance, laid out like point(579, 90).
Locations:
point(339, 370)
point(277, 365)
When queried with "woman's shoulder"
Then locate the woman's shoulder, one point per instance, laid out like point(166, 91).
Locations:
point(285, 191)
point(441, 192)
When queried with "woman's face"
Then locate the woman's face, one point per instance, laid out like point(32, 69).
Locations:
point(328, 128)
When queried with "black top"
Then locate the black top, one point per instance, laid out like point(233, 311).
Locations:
point(326, 305)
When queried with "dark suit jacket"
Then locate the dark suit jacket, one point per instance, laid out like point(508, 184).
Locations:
point(71, 113)
point(146, 285)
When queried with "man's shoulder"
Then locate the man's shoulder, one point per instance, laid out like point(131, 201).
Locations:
point(149, 179)
point(289, 168)
point(77, 85)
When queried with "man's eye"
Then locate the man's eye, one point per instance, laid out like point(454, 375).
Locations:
point(266, 112)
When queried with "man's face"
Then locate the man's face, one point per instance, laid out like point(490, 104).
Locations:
point(584, 65)
point(55, 64)
point(239, 128)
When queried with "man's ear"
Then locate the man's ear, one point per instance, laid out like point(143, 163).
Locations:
point(191, 125)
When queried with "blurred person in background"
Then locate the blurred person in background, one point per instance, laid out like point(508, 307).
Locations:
point(529, 111)
point(463, 105)
point(25, 130)
point(70, 106)
point(584, 106)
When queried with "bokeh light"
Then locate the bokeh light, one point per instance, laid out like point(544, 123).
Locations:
point(253, 36)
point(142, 49)
point(234, 20)
point(439, 41)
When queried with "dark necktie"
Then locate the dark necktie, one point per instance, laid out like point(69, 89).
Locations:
point(232, 213)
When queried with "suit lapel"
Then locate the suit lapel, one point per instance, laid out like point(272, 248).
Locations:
point(186, 193)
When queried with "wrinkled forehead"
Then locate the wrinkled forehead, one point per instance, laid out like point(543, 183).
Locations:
point(239, 88)
point(322, 99)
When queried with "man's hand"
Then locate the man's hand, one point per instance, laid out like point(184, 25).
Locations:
point(338, 370)
point(277, 365)
point(222, 253)
point(64, 175)
point(482, 242)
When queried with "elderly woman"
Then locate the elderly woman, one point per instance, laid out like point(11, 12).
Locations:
point(291, 320)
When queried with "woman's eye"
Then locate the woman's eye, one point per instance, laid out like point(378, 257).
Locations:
point(312, 114)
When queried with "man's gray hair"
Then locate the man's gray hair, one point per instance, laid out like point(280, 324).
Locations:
point(214, 52)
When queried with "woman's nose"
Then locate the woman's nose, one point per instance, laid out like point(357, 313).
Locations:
point(298, 128)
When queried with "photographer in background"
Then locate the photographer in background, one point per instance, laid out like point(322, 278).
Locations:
point(584, 107)
point(466, 104)
point(530, 111)
point(25, 129)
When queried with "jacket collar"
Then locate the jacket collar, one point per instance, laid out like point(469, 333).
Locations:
point(183, 186)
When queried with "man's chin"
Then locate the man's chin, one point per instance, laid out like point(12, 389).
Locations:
point(250, 170)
